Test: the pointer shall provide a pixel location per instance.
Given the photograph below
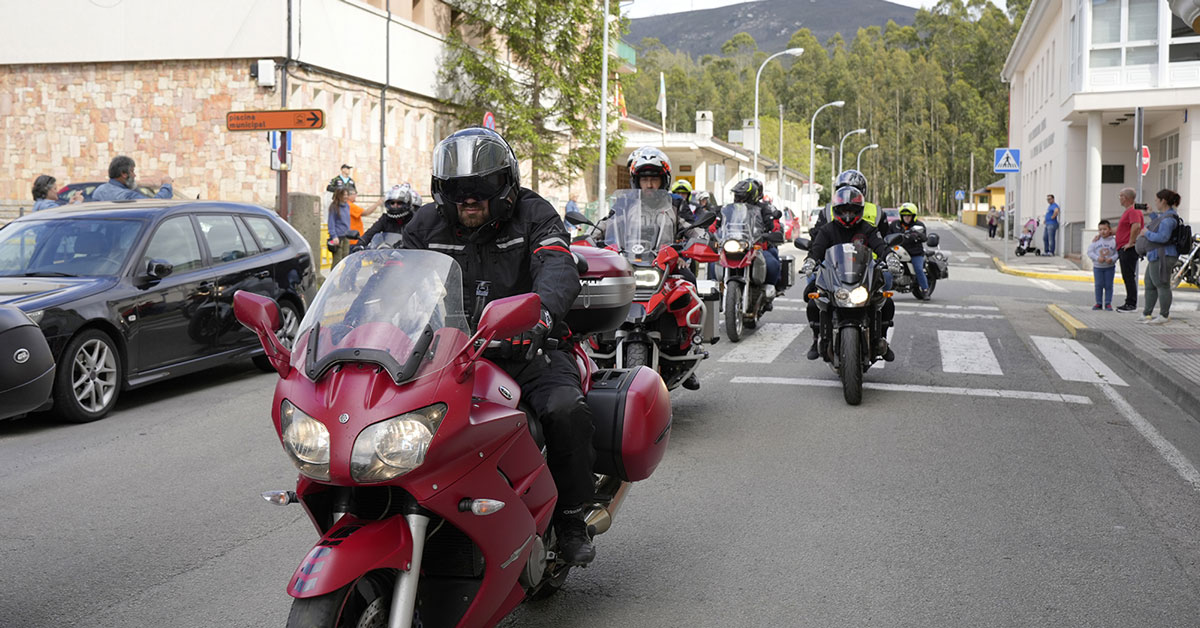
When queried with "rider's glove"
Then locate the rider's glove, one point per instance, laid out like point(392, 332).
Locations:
point(893, 264)
point(809, 265)
point(526, 345)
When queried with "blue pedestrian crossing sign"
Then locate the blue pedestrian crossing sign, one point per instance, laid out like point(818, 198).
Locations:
point(1008, 160)
point(959, 195)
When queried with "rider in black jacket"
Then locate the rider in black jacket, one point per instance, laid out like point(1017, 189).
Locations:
point(914, 244)
point(509, 241)
point(847, 227)
point(401, 202)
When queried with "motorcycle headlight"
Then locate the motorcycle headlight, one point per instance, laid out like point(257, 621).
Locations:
point(851, 298)
point(733, 246)
point(647, 278)
point(393, 447)
point(306, 441)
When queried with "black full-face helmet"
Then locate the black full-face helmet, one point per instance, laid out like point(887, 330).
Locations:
point(847, 205)
point(747, 191)
point(852, 178)
point(401, 202)
point(475, 163)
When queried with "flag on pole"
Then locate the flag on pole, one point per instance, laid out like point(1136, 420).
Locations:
point(620, 101)
point(662, 94)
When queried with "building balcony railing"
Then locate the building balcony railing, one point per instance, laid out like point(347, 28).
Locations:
point(628, 56)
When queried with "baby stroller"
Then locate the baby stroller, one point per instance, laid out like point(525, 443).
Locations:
point(1025, 242)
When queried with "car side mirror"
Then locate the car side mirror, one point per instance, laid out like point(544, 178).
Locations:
point(802, 243)
point(261, 315)
point(775, 237)
point(933, 239)
point(509, 316)
point(158, 269)
point(577, 218)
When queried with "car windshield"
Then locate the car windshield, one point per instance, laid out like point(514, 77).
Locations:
point(738, 222)
point(399, 309)
point(642, 222)
point(95, 247)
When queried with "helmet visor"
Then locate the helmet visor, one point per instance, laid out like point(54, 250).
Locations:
point(468, 156)
point(847, 204)
point(478, 187)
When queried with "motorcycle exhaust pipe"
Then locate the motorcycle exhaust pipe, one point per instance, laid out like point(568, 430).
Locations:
point(601, 517)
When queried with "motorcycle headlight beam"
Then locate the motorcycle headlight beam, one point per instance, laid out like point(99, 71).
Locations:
point(647, 278)
point(851, 298)
point(733, 246)
point(395, 446)
point(306, 441)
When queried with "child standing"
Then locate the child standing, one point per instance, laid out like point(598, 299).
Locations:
point(1103, 252)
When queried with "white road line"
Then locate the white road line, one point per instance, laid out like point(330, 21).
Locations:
point(788, 300)
point(900, 312)
point(1074, 362)
point(765, 344)
point(784, 308)
point(984, 308)
point(1018, 395)
point(1165, 449)
point(967, 352)
point(1046, 285)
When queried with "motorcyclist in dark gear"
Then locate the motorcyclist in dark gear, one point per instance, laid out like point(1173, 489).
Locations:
point(681, 198)
point(846, 227)
point(871, 214)
point(913, 243)
point(508, 240)
point(398, 207)
point(750, 192)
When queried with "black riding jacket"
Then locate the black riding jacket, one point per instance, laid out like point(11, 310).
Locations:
point(385, 224)
point(528, 251)
point(833, 234)
point(913, 243)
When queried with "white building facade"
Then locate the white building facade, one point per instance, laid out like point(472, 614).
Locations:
point(1078, 70)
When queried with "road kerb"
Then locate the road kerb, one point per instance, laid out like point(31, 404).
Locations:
point(1009, 270)
point(1073, 325)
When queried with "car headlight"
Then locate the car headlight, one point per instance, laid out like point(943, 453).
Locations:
point(647, 278)
point(851, 298)
point(306, 441)
point(393, 447)
point(733, 246)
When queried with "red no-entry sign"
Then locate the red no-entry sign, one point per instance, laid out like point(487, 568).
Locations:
point(1145, 160)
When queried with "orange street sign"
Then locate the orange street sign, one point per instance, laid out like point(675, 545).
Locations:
point(282, 120)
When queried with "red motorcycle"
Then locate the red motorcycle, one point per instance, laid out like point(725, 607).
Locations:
point(743, 278)
point(666, 325)
point(418, 465)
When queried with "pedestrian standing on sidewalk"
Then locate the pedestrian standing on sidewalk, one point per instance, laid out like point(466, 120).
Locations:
point(1103, 253)
point(1161, 256)
point(344, 180)
point(338, 223)
point(1128, 229)
point(993, 218)
point(1050, 235)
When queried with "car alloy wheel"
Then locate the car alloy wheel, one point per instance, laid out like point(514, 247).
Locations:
point(94, 375)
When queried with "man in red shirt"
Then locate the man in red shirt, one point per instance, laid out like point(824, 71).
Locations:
point(1128, 229)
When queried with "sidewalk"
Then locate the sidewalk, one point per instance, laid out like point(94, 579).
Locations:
point(1167, 355)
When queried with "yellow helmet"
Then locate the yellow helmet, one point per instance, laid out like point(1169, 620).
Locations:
point(908, 208)
point(682, 187)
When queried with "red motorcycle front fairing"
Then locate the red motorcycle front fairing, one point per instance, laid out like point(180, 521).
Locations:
point(741, 260)
point(351, 548)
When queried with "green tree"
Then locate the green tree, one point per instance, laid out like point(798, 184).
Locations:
point(535, 64)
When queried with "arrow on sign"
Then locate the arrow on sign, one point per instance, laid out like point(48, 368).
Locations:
point(314, 119)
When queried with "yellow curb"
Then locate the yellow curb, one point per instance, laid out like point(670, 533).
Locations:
point(1009, 270)
point(1070, 322)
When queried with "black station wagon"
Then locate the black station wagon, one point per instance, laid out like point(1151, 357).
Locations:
point(132, 292)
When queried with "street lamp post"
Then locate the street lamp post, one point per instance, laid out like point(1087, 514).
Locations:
point(858, 162)
point(604, 111)
point(812, 154)
point(842, 146)
point(795, 52)
point(833, 173)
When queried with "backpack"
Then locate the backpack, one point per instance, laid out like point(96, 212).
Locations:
point(1181, 237)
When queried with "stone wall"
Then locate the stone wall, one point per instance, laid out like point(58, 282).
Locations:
point(70, 120)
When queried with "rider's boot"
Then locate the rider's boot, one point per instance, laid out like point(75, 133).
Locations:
point(692, 382)
point(812, 351)
point(884, 350)
point(574, 541)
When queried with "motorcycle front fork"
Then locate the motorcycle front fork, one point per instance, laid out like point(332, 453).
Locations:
point(404, 595)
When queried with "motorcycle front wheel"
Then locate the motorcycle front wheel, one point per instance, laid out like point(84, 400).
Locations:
point(1178, 272)
point(637, 354)
point(851, 370)
point(365, 602)
point(735, 323)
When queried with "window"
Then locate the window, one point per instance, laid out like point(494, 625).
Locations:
point(1185, 45)
point(266, 232)
point(175, 243)
point(1124, 32)
point(1106, 21)
point(1112, 174)
point(1171, 169)
point(247, 238)
point(225, 242)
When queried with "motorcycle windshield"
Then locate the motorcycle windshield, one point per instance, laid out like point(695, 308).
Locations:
point(848, 263)
point(399, 309)
point(641, 222)
point(739, 221)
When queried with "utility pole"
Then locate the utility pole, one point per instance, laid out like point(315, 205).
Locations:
point(779, 188)
point(971, 189)
point(285, 136)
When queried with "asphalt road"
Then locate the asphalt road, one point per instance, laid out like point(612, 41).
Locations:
point(979, 483)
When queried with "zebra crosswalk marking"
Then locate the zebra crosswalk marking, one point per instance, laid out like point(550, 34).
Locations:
point(956, 315)
point(1074, 363)
point(765, 344)
point(967, 352)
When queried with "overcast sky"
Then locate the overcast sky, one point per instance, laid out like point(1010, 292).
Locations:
point(643, 8)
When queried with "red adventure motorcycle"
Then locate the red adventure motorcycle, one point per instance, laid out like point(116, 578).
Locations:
point(666, 324)
point(743, 278)
point(419, 467)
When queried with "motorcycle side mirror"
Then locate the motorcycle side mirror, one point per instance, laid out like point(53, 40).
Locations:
point(509, 316)
point(894, 239)
point(933, 239)
point(775, 237)
point(802, 243)
point(261, 315)
point(577, 218)
point(705, 218)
